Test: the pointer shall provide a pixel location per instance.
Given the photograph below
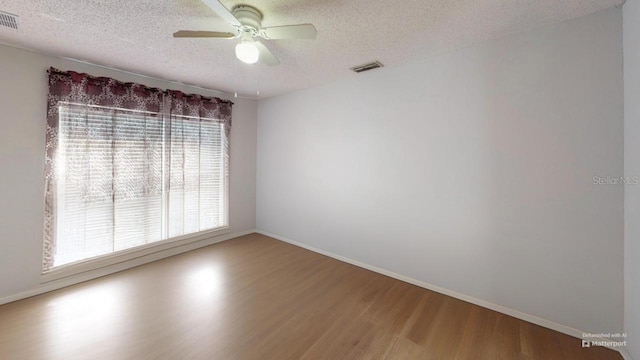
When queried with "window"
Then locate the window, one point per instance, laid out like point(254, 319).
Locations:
point(122, 178)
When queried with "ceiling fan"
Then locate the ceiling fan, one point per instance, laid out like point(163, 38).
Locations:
point(247, 22)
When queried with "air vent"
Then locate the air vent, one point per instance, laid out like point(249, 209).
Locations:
point(367, 67)
point(9, 20)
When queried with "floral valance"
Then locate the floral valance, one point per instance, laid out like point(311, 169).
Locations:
point(71, 86)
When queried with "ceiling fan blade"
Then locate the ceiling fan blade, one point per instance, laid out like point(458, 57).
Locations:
point(266, 55)
point(203, 34)
point(224, 13)
point(301, 31)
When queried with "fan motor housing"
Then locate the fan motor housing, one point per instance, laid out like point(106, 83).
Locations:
point(248, 16)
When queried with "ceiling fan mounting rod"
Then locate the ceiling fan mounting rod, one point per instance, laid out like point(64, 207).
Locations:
point(249, 17)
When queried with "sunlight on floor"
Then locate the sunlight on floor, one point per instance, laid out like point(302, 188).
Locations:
point(86, 316)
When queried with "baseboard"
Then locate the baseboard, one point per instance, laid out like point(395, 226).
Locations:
point(625, 354)
point(93, 274)
point(485, 304)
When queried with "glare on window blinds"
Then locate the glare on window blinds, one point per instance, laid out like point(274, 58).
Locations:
point(128, 178)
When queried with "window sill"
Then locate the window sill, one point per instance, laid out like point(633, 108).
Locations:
point(76, 268)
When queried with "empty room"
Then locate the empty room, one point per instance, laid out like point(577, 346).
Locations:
point(229, 179)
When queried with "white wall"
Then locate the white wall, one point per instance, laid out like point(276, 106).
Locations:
point(471, 170)
point(23, 94)
point(631, 36)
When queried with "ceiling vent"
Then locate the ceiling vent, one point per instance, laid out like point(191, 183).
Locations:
point(9, 20)
point(367, 67)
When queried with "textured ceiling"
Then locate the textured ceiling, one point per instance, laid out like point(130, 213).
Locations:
point(136, 35)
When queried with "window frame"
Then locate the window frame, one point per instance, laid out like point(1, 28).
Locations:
point(156, 247)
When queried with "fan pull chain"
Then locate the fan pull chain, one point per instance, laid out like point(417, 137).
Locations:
point(259, 79)
point(235, 71)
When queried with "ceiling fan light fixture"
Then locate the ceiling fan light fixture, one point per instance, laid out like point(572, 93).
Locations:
point(247, 52)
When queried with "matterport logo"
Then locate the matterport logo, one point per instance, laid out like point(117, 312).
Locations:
point(604, 339)
point(616, 180)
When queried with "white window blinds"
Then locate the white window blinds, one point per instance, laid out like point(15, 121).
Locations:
point(128, 178)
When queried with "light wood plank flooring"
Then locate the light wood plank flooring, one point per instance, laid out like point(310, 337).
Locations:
point(258, 298)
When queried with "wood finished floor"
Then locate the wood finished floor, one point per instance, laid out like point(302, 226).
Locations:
point(258, 298)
